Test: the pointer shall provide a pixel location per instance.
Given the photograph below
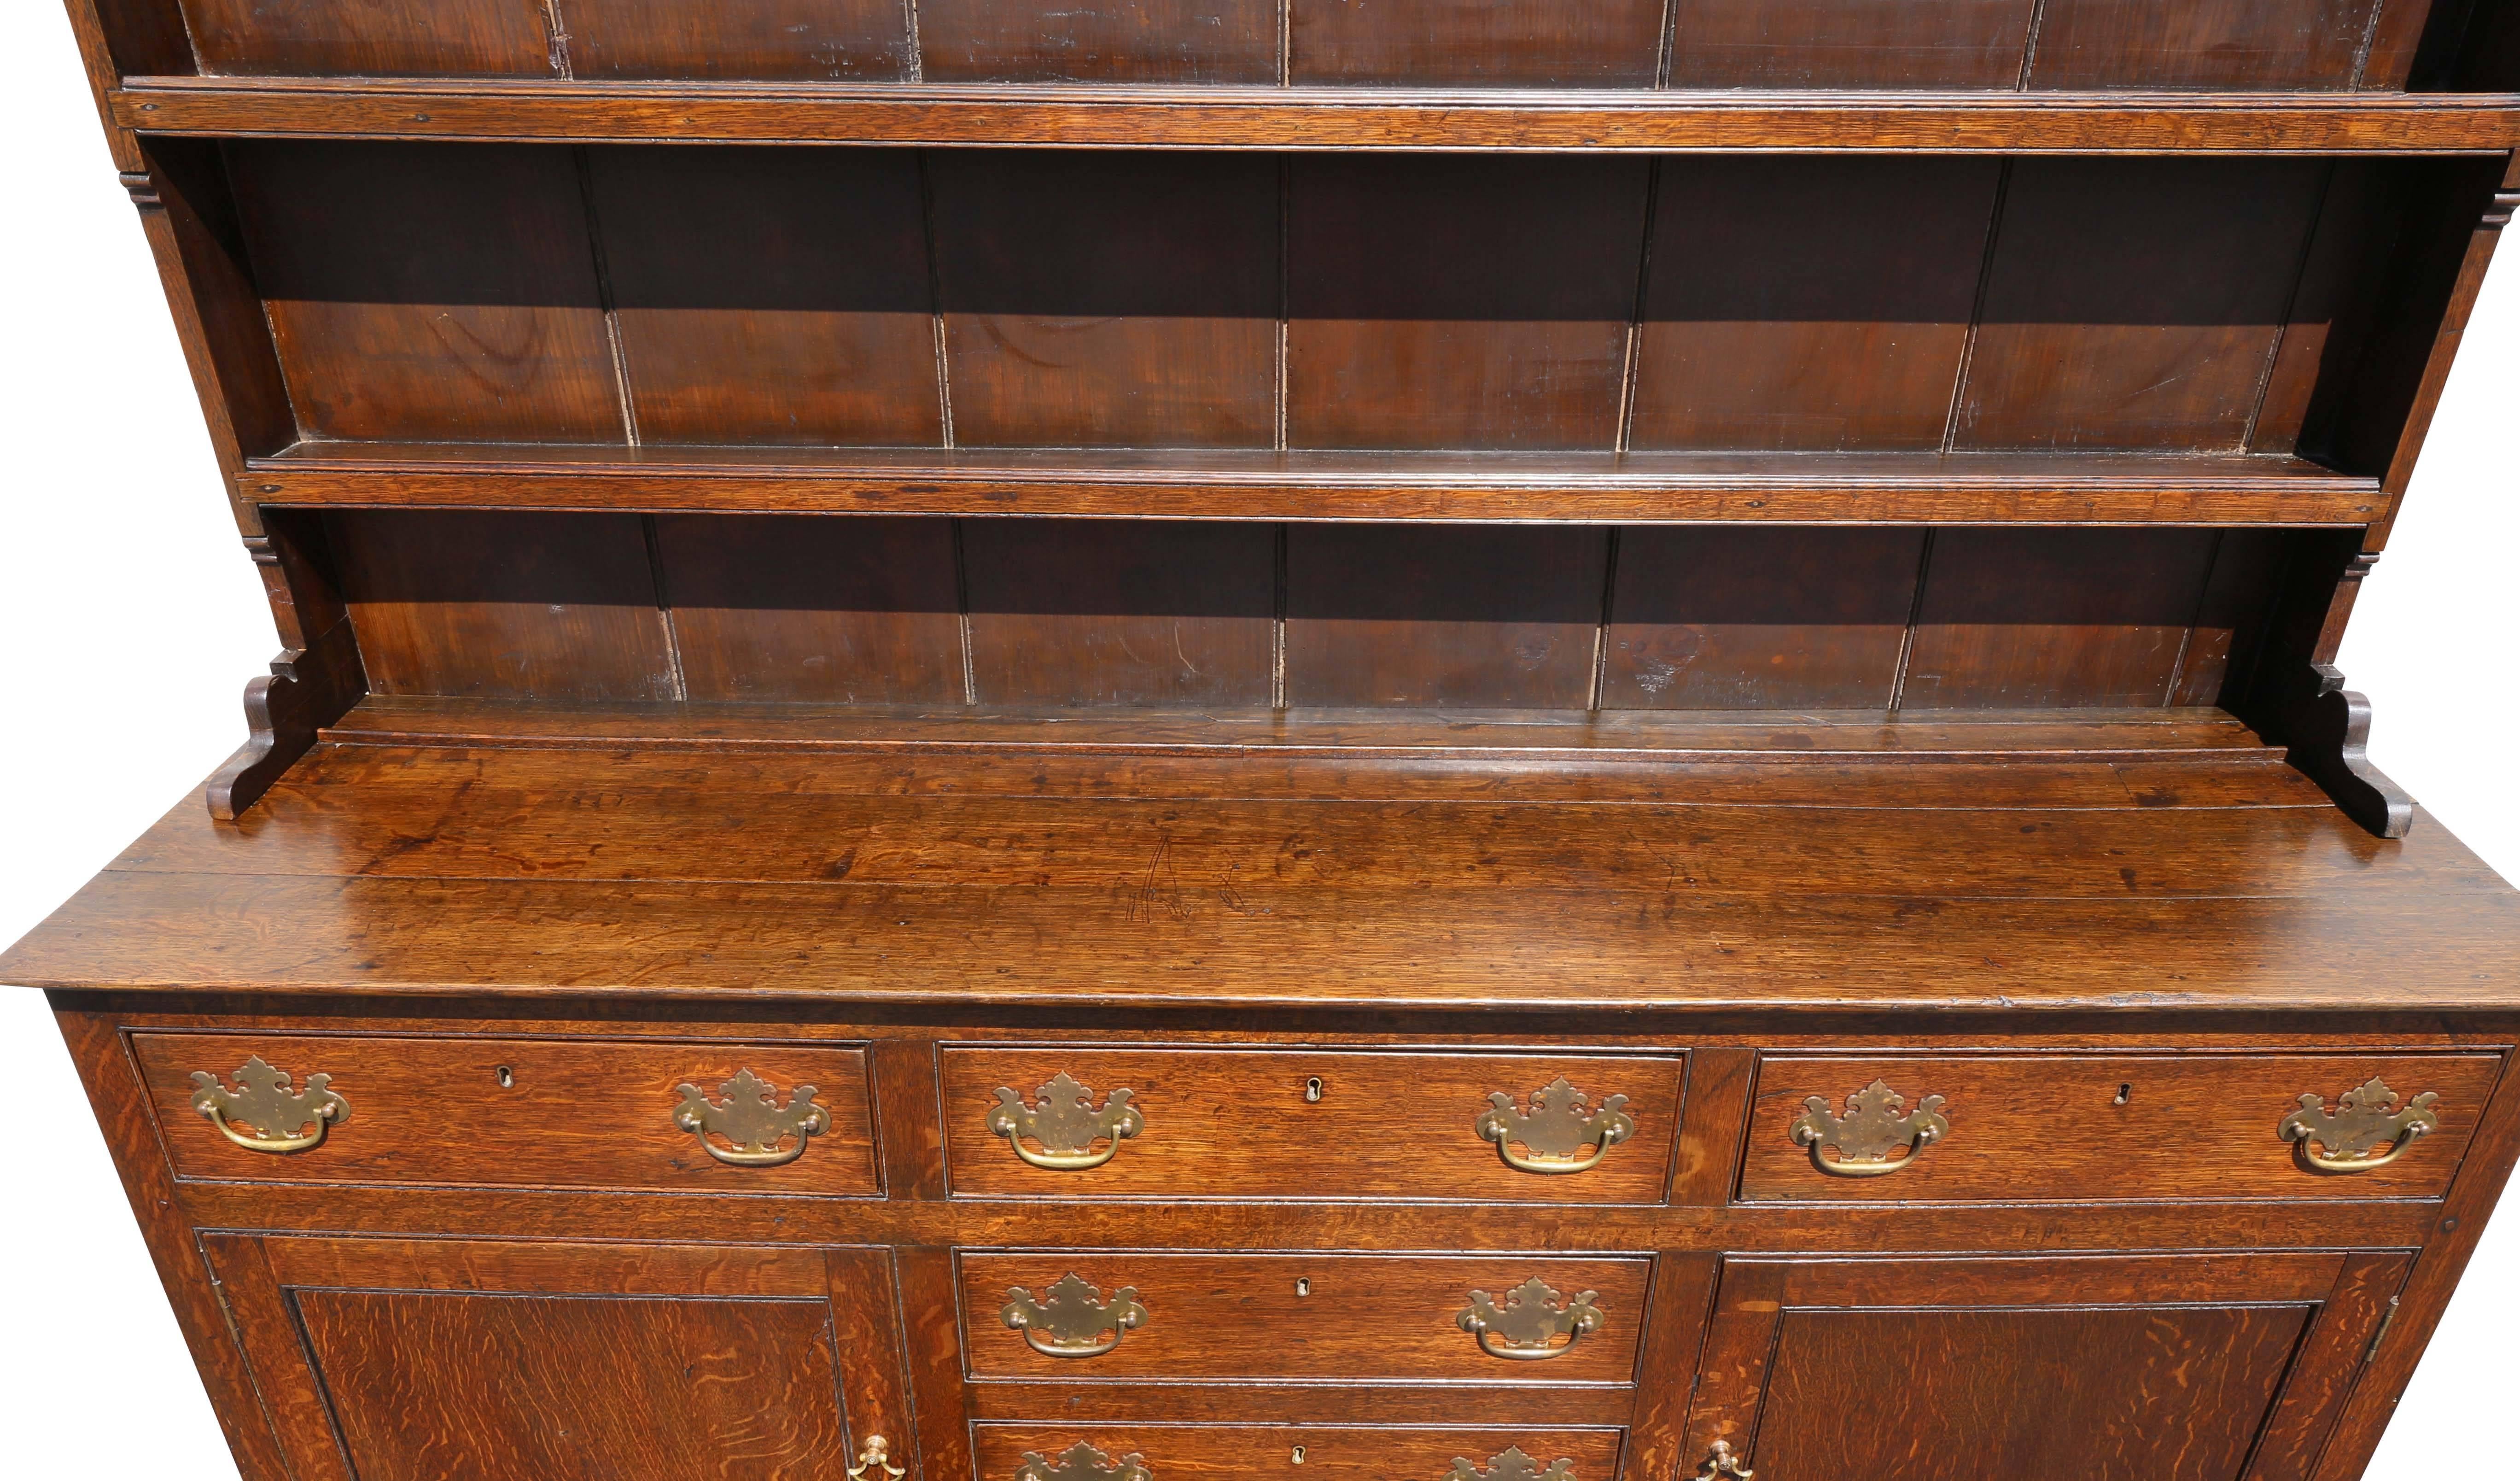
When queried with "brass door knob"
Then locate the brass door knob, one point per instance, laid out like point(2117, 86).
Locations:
point(1870, 1130)
point(276, 1117)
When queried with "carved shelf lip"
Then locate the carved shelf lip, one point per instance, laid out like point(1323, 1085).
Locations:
point(1587, 119)
point(1636, 488)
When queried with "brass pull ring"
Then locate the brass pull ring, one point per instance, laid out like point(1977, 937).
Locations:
point(2364, 1117)
point(1074, 1315)
point(750, 1115)
point(1559, 1133)
point(1872, 1129)
point(265, 1102)
point(1066, 1122)
point(1532, 1315)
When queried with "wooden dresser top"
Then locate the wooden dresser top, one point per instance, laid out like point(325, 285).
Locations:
point(915, 863)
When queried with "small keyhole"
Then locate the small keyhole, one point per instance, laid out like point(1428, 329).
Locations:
point(2125, 1092)
point(1313, 1089)
point(1296, 1455)
point(1303, 1285)
point(506, 1078)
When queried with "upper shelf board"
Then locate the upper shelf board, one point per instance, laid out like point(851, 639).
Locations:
point(1589, 121)
point(1977, 489)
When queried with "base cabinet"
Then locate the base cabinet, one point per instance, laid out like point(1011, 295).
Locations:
point(2177, 1367)
point(398, 1360)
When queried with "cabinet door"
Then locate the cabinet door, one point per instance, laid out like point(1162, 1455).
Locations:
point(398, 1360)
point(2152, 1367)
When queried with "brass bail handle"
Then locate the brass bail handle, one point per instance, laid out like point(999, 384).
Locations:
point(1068, 1319)
point(276, 1116)
point(2366, 1117)
point(748, 1114)
point(1873, 1126)
point(1560, 1132)
point(1524, 1326)
point(1066, 1122)
point(877, 1455)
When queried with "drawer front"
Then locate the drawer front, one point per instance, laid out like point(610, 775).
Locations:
point(1011, 1451)
point(1225, 1123)
point(2095, 1128)
point(1061, 1315)
point(516, 1112)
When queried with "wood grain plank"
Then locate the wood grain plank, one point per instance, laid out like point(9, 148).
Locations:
point(1808, 302)
point(1810, 44)
point(1475, 43)
point(774, 606)
point(769, 295)
point(1463, 614)
point(1460, 301)
point(2028, 616)
point(1751, 618)
point(1108, 300)
point(504, 605)
point(1119, 613)
point(2236, 44)
point(802, 41)
point(1132, 41)
point(434, 292)
point(2135, 305)
point(369, 38)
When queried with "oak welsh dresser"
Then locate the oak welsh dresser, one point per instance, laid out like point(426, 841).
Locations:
point(1306, 740)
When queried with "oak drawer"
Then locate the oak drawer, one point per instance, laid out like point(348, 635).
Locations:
point(515, 1112)
point(1063, 1314)
point(2100, 1127)
point(1227, 1123)
point(1039, 1451)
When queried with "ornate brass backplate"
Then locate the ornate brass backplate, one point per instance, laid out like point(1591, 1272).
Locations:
point(751, 1117)
point(1872, 1129)
point(2366, 1117)
point(1721, 1464)
point(1512, 1466)
point(1533, 1317)
point(276, 1117)
point(1070, 1318)
point(1559, 1133)
point(877, 1455)
point(1067, 1124)
point(1081, 1461)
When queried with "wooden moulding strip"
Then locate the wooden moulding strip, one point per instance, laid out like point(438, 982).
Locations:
point(1258, 117)
point(1538, 737)
point(1821, 489)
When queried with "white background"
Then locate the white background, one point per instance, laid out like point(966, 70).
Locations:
point(133, 619)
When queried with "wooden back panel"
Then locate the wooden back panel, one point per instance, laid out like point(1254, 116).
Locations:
point(2004, 44)
point(1067, 614)
point(976, 299)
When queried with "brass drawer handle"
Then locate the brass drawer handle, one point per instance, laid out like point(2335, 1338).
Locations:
point(1067, 1124)
point(1081, 1461)
point(1512, 1466)
point(1075, 1317)
point(752, 1117)
point(877, 1455)
point(2364, 1117)
point(1869, 1132)
point(1533, 1315)
point(1559, 1133)
point(1721, 1464)
point(263, 1100)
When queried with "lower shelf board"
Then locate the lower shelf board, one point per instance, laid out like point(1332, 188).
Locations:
point(1643, 488)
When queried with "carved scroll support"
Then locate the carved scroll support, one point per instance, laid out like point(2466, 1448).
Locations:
point(306, 690)
point(2299, 699)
